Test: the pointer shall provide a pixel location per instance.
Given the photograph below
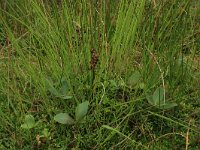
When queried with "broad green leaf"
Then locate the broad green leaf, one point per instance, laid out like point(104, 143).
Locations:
point(64, 87)
point(29, 122)
point(64, 118)
point(150, 99)
point(134, 78)
point(54, 91)
point(50, 87)
point(168, 105)
point(66, 97)
point(158, 96)
point(81, 110)
point(161, 106)
point(58, 93)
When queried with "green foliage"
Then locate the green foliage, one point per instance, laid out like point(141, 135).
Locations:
point(158, 99)
point(81, 111)
point(45, 63)
point(29, 122)
point(62, 92)
point(64, 118)
point(134, 78)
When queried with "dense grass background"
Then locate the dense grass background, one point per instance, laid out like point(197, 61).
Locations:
point(156, 41)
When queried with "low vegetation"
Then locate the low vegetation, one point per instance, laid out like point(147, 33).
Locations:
point(100, 74)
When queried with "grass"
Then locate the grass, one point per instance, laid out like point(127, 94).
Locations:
point(145, 57)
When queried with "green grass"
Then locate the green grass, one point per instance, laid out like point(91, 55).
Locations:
point(148, 55)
